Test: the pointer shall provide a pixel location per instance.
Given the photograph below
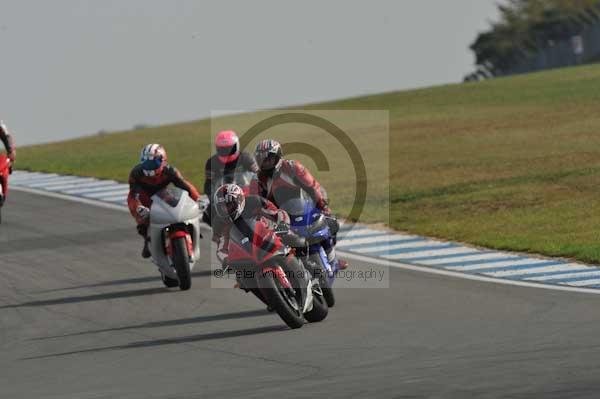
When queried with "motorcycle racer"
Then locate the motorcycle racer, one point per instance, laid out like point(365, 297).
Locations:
point(231, 203)
point(222, 167)
point(151, 175)
point(11, 152)
point(251, 235)
point(279, 180)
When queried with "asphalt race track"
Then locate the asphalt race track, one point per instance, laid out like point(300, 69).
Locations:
point(83, 316)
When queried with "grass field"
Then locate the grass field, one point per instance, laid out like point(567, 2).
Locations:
point(510, 164)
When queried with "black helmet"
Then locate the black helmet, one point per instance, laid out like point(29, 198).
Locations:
point(268, 155)
point(229, 201)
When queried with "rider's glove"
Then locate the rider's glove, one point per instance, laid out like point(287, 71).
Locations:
point(283, 217)
point(203, 204)
point(326, 210)
point(282, 228)
point(143, 212)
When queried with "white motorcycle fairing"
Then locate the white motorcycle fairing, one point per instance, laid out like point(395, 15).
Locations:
point(172, 206)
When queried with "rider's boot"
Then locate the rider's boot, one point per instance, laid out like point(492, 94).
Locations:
point(333, 259)
point(146, 251)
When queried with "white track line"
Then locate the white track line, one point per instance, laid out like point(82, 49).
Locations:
point(48, 186)
point(568, 273)
point(81, 200)
point(33, 176)
point(466, 258)
point(94, 189)
point(483, 265)
point(107, 193)
point(345, 242)
point(46, 180)
point(67, 185)
point(360, 232)
point(465, 276)
point(484, 258)
point(584, 283)
point(361, 258)
point(441, 256)
point(433, 252)
point(406, 245)
point(569, 267)
point(115, 198)
point(442, 250)
point(83, 186)
point(383, 247)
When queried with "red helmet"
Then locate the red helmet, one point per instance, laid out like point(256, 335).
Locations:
point(153, 159)
point(228, 146)
point(229, 201)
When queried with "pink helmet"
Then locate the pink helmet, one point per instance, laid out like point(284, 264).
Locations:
point(228, 146)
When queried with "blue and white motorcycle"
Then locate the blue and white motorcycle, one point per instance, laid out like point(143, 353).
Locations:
point(313, 238)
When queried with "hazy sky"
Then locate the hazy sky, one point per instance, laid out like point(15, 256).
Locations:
point(73, 67)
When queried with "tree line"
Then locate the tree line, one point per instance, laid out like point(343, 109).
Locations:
point(527, 26)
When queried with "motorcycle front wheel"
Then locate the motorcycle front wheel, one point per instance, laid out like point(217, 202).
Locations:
point(281, 299)
point(169, 282)
point(320, 309)
point(181, 262)
point(320, 273)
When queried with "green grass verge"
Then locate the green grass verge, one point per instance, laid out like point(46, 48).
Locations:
point(510, 164)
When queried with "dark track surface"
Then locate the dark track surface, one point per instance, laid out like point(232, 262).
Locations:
point(83, 316)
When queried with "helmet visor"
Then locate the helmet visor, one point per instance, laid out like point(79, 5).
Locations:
point(152, 164)
point(226, 151)
point(229, 209)
point(232, 208)
point(267, 160)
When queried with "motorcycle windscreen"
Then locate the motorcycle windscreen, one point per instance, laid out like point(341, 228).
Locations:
point(170, 196)
point(243, 179)
point(302, 211)
point(236, 176)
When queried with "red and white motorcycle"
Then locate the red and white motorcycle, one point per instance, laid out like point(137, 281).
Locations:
point(175, 236)
point(5, 170)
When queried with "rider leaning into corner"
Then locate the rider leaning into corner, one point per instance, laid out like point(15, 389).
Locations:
point(234, 209)
point(7, 140)
point(230, 204)
point(151, 175)
point(221, 167)
point(279, 180)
